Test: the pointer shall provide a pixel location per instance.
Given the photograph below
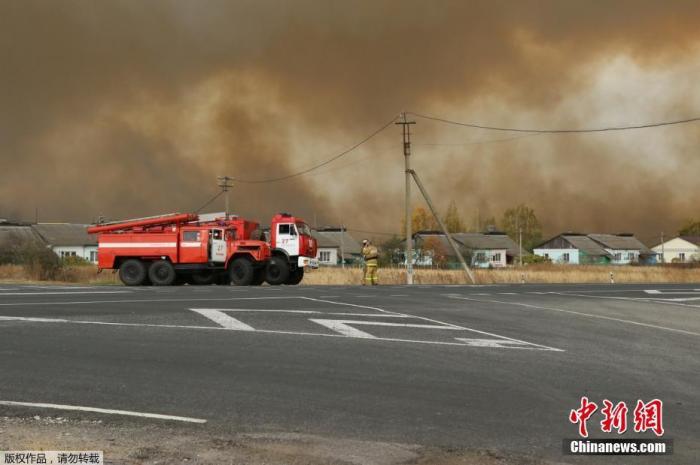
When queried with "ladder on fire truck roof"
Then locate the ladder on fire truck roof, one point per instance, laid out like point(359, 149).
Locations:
point(140, 222)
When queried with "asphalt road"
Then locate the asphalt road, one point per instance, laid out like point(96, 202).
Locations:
point(495, 367)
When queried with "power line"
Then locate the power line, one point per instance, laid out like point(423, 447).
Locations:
point(324, 163)
point(475, 142)
point(209, 201)
point(558, 131)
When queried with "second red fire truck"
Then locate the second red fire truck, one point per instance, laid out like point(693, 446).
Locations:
point(185, 248)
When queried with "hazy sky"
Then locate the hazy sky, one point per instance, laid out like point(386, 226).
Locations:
point(132, 108)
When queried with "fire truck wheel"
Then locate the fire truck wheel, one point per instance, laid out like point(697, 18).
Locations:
point(296, 276)
point(132, 272)
point(241, 272)
point(203, 278)
point(162, 273)
point(277, 271)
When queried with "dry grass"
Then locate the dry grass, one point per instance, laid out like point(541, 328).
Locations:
point(83, 274)
point(531, 274)
point(350, 276)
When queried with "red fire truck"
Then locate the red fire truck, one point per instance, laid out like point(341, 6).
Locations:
point(184, 247)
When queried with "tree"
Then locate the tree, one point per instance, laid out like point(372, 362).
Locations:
point(690, 228)
point(421, 220)
point(453, 222)
point(434, 247)
point(522, 218)
point(391, 251)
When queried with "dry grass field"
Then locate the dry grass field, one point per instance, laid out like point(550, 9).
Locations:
point(349, 276)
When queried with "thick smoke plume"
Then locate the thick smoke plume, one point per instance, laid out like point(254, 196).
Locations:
point(133, 108)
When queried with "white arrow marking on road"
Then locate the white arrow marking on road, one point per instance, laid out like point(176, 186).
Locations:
point(342, 328)
point(498, 343)
point(223, 319)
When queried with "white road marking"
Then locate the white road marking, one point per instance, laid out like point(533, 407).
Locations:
point(508, 293)
point(220, 318)
point(656, 292)
point(261, 331)
point(65, 292)
point(306, 312)
point(590, 315)
point(102, 410)
point(399, 295)
point(677, 299)
point(341, 327)
point(498, 343)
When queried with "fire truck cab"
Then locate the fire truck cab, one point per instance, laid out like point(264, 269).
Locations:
point(293, 249)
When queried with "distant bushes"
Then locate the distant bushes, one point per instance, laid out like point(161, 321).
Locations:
point(40, 262)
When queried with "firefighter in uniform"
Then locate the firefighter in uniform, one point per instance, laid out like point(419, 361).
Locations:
point(371, 257)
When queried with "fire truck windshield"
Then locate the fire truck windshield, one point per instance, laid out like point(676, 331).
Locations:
point(304, 229)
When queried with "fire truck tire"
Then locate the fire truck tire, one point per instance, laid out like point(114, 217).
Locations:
point(296, 276)
point(162, 273)
point(277, 271)
point(241, 272)
point(203, 278)
point(259, 277)
point(133, 272)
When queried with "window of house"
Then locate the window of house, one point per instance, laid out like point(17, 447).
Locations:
point(546, 256)
point(681, 256)
point(565, 257)
point(496, 257)
point(618, 256)
point(480, 257)
point(190, 236)
point(93, 256)
point(630, 256)
point(324, 256)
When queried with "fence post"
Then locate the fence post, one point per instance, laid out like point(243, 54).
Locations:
point(612, 278)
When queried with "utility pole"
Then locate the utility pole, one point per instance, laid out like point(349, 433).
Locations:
point(406, 127)
point(342, 246)
point(520, 243)
point(451, 241)
point(663, 252)
point(224, 184)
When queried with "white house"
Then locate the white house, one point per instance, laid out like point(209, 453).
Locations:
point(334, 242)
point(68, 240)
point(487, 250)
point(679, 249)
point(576, 248)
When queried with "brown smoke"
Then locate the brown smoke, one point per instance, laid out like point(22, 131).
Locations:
point(133, 108)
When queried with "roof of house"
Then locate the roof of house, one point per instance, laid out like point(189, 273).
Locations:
point(586, 245)
point(475, 241)
point(596, 244)
point(333, 237)
point(13, 233)
point(620, 242)
point(64, 234)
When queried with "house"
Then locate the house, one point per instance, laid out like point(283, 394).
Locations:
point(680, 249)
point(481, 250)
point(334, 242)
point(594, 249)
point(68, 240)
